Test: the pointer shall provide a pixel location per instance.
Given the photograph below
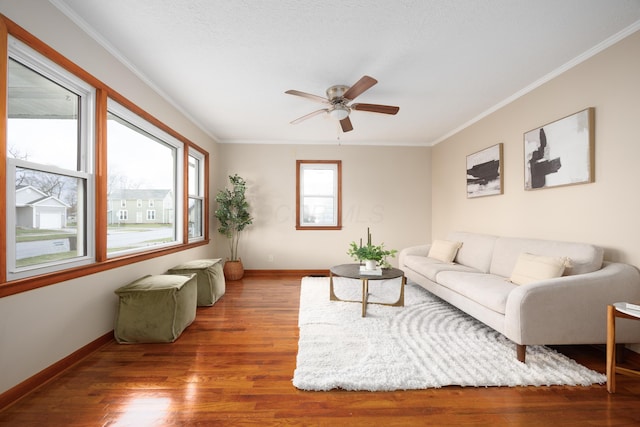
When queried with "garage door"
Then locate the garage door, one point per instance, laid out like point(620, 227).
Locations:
point(50, 221)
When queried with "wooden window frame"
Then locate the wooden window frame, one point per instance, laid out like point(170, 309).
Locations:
point(103, 93)
point(202, 189)
point(337, 196)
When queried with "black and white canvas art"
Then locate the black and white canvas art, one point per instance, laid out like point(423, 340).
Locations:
point(560, 153)
point(484, 172)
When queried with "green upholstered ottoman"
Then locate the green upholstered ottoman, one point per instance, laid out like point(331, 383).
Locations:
point(155, 308)
point(211, 283)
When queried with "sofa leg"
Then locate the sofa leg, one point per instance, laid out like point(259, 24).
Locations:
point(521, 352)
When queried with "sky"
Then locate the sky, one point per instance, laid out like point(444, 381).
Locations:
point(54, 142)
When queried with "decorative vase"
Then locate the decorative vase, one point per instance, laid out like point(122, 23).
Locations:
point(233, 270)
point(370, 264)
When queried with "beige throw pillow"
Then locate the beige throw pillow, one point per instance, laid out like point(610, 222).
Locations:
point(533, 268)
point(444, 250)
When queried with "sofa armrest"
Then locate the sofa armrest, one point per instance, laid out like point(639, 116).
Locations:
point(419, 250)
point(571, 309)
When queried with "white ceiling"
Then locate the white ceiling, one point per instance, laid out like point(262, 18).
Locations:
point(227, 63)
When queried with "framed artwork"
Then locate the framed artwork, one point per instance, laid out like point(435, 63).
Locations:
point(560, 153)
point(484, 172)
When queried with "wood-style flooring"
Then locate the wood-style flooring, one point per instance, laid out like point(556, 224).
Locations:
point(233, 367)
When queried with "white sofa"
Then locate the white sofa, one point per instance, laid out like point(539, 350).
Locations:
point(570, 309)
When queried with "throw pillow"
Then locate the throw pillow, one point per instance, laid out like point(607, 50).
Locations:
point(533, 268)
point(444, 250)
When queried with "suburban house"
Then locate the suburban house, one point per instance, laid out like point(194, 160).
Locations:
point(35, 209)
point(406, 190)
point(140, 206)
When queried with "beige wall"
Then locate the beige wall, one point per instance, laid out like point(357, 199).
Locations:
point(385, 188)
point(604, 212)
point(404, 194)
point(41, 327)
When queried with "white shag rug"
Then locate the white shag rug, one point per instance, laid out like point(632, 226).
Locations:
point(425, 344)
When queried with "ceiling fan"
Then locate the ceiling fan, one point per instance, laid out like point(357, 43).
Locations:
point(338, 99)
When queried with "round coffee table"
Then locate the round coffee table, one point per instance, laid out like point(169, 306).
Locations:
point(353, 271)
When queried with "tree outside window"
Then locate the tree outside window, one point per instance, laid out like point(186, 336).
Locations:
point(47, 136)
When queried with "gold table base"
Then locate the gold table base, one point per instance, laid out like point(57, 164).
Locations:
point(365, 292)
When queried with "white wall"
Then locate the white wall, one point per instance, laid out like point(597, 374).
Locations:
point(387, 189)
point(42, 326)
point(604, 212)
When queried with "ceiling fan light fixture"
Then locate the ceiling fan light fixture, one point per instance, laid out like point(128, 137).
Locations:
point(338, 105)
point(340, 112)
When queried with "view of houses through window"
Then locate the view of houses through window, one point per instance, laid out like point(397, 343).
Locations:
point(46, 158)
point(141, 167)
point(51, 155)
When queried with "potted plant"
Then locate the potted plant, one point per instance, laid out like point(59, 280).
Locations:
point(372, 255)
point(233, 216)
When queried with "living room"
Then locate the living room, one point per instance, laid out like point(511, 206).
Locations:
point(405, 194)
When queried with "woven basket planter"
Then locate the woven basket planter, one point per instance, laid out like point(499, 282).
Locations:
point(233, 270)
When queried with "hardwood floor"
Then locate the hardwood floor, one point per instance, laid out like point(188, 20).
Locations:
point(234, 364)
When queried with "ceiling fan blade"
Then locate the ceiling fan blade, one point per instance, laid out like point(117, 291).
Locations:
point(376, 108)
point(359, 87)
point(315, 98)
point(346, 124)
point(308, 116)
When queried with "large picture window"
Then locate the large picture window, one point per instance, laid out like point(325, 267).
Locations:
point(49, 135)
point(318, 195)
point(142, 165)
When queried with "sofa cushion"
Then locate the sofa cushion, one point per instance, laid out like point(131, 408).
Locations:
point(430, 267)
point(584, 257)
point(444, 250)
point(476, 249)
point(533, 268)
point(488, 290)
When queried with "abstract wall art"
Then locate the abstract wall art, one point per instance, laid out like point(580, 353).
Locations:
point(560, 153)
point(484, 172)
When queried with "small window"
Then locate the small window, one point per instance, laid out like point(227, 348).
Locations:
point(123, 215)
point(123, 203)
point(151, 204)
point(138, 203)
point(318, 195)
point(195, 183)
point(151, 215)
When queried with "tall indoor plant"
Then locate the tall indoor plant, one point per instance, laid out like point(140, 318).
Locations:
point(233, 215)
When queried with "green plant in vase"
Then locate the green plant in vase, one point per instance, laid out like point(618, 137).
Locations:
point(233, 216)
point(371, 252)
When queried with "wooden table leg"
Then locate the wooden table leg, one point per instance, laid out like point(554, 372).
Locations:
point(611, 349)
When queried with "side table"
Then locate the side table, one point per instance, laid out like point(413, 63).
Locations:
point(618, 309)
